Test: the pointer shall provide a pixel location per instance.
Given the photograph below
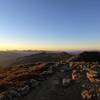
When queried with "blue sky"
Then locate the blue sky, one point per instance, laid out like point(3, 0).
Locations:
point(50, 24)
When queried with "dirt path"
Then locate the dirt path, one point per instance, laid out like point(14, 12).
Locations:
point(49, 90)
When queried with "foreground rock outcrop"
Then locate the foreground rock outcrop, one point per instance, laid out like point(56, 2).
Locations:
point(51, 81)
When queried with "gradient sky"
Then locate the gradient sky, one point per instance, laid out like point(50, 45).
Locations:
point(50, 24)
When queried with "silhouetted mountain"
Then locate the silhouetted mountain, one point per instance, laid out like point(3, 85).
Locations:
point(88, 56)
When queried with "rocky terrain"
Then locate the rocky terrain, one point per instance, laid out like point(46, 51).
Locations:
point(56, 81)
point(62, 80)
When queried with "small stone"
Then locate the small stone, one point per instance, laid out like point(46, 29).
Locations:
point(45, 73)
point(24, 90)
point(34, 83)
point(66, 82)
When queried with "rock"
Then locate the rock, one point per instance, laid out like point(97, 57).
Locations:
point(54, 67)
point(74, 75)
point(24, 90)
point(65, 69)
point(84, 68)
point(57, 64)
point(66, 82)
point(33, 83)
point(83, 85)
point(86, 95)
point(93, 76)
point(90, 94)
point(51, 69)
point(46, 73)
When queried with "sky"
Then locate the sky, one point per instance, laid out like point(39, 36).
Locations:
point(50, 24)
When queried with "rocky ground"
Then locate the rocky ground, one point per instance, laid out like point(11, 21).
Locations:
point(51, 81)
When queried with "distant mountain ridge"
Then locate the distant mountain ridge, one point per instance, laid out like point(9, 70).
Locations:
point(88, 56)
point(42, 57)
point(7, 57)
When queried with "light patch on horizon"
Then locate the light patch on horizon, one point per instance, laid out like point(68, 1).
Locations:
point(62, 47)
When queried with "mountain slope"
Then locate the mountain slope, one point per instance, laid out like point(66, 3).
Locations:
point(88, 56)
point(42, 57)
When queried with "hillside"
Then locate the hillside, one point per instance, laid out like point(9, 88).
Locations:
point(51, 81)
point(7, 57)
point(88, 56)
point(50, 76)
point(42, 57)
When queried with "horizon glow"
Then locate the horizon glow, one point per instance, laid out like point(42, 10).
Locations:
point(49, 25)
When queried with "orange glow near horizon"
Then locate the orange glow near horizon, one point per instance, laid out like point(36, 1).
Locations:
point(69, 47)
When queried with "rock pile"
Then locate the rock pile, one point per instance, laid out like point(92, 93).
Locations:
point(91, 94)
point(25, 79)
point(18, 93)
point(87, 95)
point(87, 74)
point(20, 81)
point(94, 74)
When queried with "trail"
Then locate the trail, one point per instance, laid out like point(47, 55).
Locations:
point(49, 90)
